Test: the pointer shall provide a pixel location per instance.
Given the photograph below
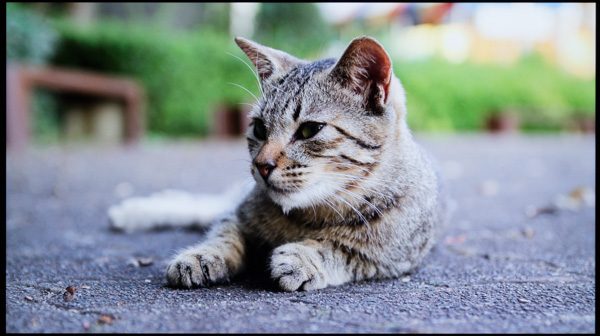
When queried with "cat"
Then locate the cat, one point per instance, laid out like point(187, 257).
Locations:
point(342, 192)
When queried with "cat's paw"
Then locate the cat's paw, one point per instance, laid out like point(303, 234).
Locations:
point(197, 269)
point(297, 267)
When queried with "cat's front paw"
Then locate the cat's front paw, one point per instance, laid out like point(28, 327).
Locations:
point(297, 267)
point(197, 269)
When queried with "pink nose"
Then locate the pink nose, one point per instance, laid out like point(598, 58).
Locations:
point(265, 168)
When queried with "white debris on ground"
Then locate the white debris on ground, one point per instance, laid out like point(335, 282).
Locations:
point(576, 199)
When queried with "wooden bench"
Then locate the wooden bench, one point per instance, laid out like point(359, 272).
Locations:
point(22, 80)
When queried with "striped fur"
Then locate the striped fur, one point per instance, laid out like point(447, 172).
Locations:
point(359, 200)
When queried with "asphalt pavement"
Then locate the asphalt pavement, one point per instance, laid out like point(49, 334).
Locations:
point(517, 256)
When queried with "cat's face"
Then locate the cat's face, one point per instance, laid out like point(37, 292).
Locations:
point(319, 129)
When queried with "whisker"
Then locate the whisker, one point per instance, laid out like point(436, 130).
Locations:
point(378, 182)
point(353, 178)
point(333, 208)
point(245, 160)
point(357, 197)
point(251, 69)
point(253, 105)
point(361, 199)
point(238, 85)
point(360, 215)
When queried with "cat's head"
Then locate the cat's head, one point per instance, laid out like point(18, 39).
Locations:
point(321, 128)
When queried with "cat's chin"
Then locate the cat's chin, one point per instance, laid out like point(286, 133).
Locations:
point(288, 201)
point(303, 199)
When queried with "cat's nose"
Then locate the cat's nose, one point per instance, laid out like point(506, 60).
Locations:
point(265, 168)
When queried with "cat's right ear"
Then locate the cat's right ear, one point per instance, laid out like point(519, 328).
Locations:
point(366, 69)
point(269, 62)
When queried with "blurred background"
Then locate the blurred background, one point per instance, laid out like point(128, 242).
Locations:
point(108, 72)
point(85, 78)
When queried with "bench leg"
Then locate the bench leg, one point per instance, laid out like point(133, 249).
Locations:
point(18, 100)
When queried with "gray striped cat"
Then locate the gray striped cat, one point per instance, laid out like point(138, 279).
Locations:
point(342, 193)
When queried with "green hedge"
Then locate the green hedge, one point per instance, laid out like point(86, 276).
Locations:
point(29, 38)
point(185, 75)
point(450, 97)
point(297, 28)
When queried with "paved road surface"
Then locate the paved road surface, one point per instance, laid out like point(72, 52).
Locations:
point(495, 270)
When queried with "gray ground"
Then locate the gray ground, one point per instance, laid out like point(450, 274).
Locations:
point(495, 269)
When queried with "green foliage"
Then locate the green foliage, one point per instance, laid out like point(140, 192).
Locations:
point(32, 40)
point(29, 38)
point(454, 97)
point(168, 15)
point(46, 122)
point(297, 28)
point(185, 75)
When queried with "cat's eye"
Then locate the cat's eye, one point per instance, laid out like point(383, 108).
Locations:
point(308, 130)
point(260, 131)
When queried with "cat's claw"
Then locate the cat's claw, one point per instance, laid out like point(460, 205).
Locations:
point(191, 270)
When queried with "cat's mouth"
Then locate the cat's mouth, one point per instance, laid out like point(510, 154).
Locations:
point(278, 190)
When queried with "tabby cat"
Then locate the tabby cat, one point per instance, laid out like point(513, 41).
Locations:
point(343, 193)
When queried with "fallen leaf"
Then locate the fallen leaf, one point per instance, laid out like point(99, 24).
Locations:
point(68, 296)
point(584, 195)
point(106, 319)
point(576, 199)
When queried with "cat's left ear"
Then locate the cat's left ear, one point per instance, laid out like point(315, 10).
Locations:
point(365, 68)
point(269, 62)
